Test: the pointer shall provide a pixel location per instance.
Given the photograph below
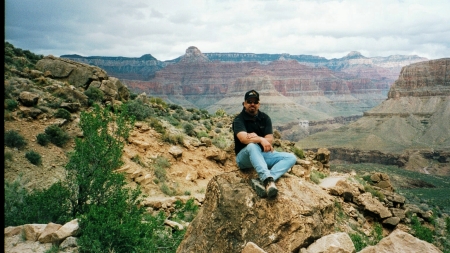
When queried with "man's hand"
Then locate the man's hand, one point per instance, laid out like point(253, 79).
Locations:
point(251, 135)
point(266, 145)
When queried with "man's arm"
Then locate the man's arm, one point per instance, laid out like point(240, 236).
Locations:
point(266, 141)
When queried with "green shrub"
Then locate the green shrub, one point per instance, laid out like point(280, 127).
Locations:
point(375, 193)
point(189, 129)
point(8, 156)
point(173, 139)
point(14, 140)
point(298, 152)
point(63, 114)
point(139, 109)
point(220, 113)
point(185, 212)
point(202, 134)
point(156, 124)
point(160, 165)
point(377, 233)
point(359, 240)
point(57, 135)
point(34, 157)
point(221, 142)
point(172, 120)
point(158, 101)
point(316, 176)
point(207, 125)
point(38, 206)
point(11, 104)
point(94, 94)
point(167, 190)
point(420, 231)
point(43, 139)
point(174, 106)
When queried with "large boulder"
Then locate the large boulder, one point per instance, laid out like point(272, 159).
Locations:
point(233, 214)
point(399, 241)
point(76, 73)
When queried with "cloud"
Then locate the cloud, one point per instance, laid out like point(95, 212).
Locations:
point(167, 28)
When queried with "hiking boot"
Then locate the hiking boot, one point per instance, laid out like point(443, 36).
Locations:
point(259, 188)
point(271, 189)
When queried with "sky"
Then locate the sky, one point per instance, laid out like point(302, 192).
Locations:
point(166, 28)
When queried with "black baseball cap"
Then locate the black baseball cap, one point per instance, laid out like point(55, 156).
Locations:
point(251, 94)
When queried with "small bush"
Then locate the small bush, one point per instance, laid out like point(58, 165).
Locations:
point(157, 125)
point(11, 104)
point(43, 139)
point(359, 241)
point(375, 193)
point(316, 176)
point(221, 142)
point(161, 161)
point(38, 206)
point(160, 166)
point(298, 152)
point(158, 101)
point(189, 129)
point(167, 190)
point(57, 135)
point(420, 231)
point(185, 212)
point(173, 139)
point(8, 156)
point(139, 109)
point(14, 140)
point(201, 134)
point(207, 125)
point(63, 114)
point(34, 157)
point(94, 94)
point(220, 113)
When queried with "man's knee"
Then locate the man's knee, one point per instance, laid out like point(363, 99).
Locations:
point(253, 146)
point(291, 158)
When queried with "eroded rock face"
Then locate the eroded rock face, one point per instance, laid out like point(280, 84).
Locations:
point(77, 74)
point(429, 78)
point(232, 214)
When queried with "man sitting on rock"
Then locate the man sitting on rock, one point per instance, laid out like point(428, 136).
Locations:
point(253, 137)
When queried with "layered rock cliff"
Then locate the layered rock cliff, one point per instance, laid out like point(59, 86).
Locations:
point(297, 87)
point(416, 116)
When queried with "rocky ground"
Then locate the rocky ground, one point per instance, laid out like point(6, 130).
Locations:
point(188, 174)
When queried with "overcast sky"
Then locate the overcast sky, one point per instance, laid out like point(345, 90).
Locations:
point(166, 28)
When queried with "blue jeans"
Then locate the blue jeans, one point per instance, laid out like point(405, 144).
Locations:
point(267, 164)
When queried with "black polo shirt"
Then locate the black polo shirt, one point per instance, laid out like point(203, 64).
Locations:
point(261, 124)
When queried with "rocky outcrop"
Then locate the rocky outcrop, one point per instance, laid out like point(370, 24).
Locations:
point(233, 214)
point(399, 241)
point(82, 76)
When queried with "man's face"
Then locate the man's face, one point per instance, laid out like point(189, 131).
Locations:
point(251, 106)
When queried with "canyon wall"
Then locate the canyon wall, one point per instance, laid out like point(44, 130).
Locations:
point(414, 117)
point(292, 87)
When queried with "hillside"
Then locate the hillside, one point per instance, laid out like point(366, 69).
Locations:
point(178, 154)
